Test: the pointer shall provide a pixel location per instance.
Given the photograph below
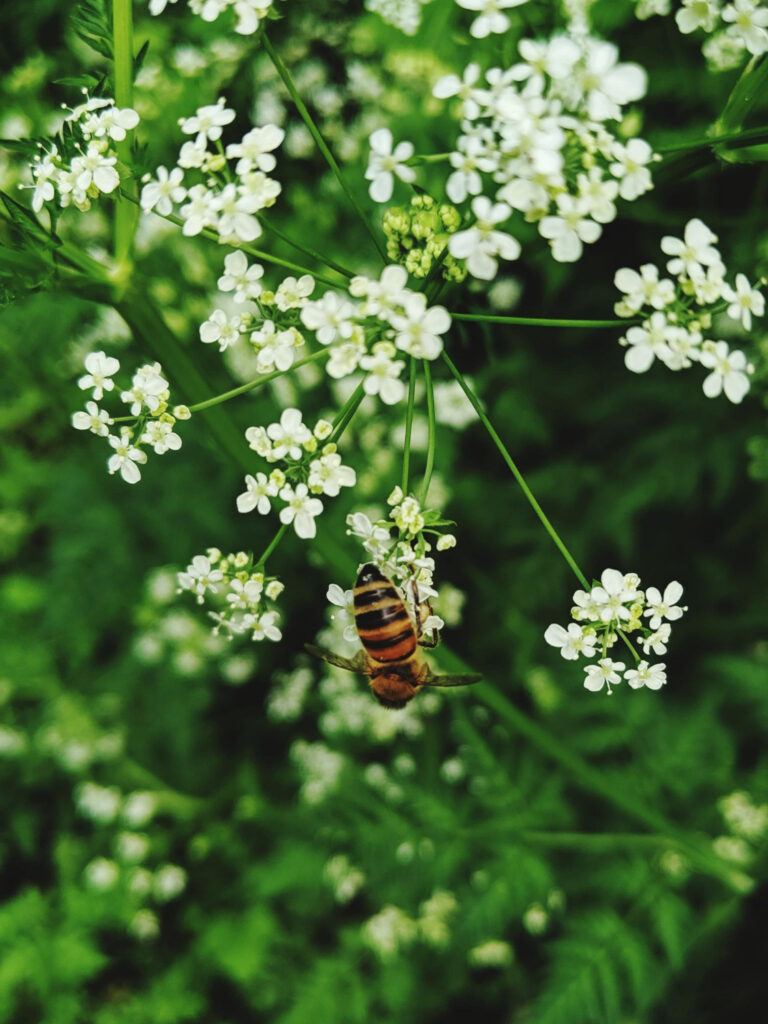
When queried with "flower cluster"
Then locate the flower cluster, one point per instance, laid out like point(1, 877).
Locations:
point(82, 163)
point(239, 589)
point(400, 547)
point(320, 769)
point(539, 132)
point(343, 877)
point(150, 424)
point(418, 233)
point(491, 19)
point(392, 928)
point(403, 14)
point(250, 13)
point(733, 30)
point(678, 312)
point(126, 873)
point(203, 188)
point(307, 471)
point(613, 609)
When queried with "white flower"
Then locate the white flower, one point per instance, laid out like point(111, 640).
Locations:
point(376, 539)
point(208, 122)
point(657, 642)
point(491, 18)
point(631, 167)
point(683, 347)
point(694, 249)
point(249, 15)
point(275, 348)
point(330, 317)
point(301, 510)
point(257, 494)
point(345, 357)
point(598, 194)
point(293, 294)
point(481, 243)
point(221, 328)
point(382, 296)
point(112, 122)
point(420, 326)
point(343, 600)
point(608, 86)
point(384, 163)
point(288, 435)
point(666, 607)
point(95, 168)
point(255, 149)
point(729, 371)
point(192, 155)
point(749, 22)
point(327, 475)
point(652, 676)
point(241, 278)
point(235, 215)
point(148, 389)
point(696, 14)
point(165, 191)
point(200, 212)
point(605, 673)
point(45, 172)
point(383, 374)
point(264, 627)
point(94, 419)
point(464, 88)
point(586, 605)
point(468, 160)
point(569, 228)
point(101, 368)
point(744, 300)
point(139, 808)
point(612, 595)
point(198, 578)
point(101, 874)
point(246, 595)
point(648, 342)
point(642, 287)
point(161, 436)
point(168, 882)
point(572, 641)
point(709, 285)
point(126, 457)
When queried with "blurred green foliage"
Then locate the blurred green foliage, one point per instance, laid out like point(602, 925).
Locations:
point(262, 770)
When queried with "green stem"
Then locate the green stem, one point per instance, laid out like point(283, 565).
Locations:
point(428, 158)
point(257, 382)
point(271, 546)
point(597, 842)
point(244, 247)
point(432, 431)
point(306, 250)
point(344, 415)
point(748, 137)
point(320, 141)
point(409, 425)
point(527, 321)
point(516, 473)
point(126, 217)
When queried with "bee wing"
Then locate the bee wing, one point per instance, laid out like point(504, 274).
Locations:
point(356, 664)
point(452, 680)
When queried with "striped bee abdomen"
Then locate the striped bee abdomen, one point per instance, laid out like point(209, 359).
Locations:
point(383, 623)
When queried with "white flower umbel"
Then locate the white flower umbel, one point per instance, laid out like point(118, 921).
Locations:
point(612, 609)
point(249, 13)
point(677, 313)
point(384, 164)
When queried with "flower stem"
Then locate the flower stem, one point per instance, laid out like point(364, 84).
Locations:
point(258, 253)
point(527, 321)
point(431, 425)
point(516, 473)
point(126, 217)
point(409, 425)
point(320, 141)
point(747, 137)
point(257, 382)
point(343, 417)
point(306, 250)
point(271, 546)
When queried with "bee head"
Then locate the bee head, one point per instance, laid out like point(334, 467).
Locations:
point(392, 691)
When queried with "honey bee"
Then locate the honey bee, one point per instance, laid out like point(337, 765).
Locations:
point(391, 655)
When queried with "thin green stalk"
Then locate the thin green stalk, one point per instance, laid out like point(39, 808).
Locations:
point(747, 137)
point(312, 253)
point(344, 415)
point(528, 321)
point(516, 473)
point(432, 431)
point(597, 842)
point(244, 247)
point(271, 546)
point(126, 217)
point(409, 425)
point(257, 382)
point(320, 141)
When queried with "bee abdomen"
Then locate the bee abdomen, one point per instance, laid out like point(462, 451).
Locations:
point(383, 623)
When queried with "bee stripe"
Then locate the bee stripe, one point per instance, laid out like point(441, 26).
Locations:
point(402, 652)
point(382, 616)
point(372, 593)
point(385, 644)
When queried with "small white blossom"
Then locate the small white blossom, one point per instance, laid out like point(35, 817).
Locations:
point(420, 326)
point(239, 277)
point(265, 627)
point(222, 329)
point(695, 14)
point(652, 676)
point(570, 228)
point(200, 577)
point(327, 475)
point(744, 300)
point(257, 495)
point(301, 510)
point(605, 673)
point(293, 293)
point(126, 458)
point(161, 436)
point(729, 371)
point(660, 607)
point(482, 243)
point(383, 374)
point(255, 149)
point(288, 435)
point(345, 616)
point(208, 122)
point(572, 641)
point(491, 17)
point(749, 21)
point(648, 342)
point(330, 317)
point(101, 368)
point(94, 419)
point(165, 191)
point(384, 163)
point(657, 642)
point(631, 167)
point(642, 287)
point(694, 249)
